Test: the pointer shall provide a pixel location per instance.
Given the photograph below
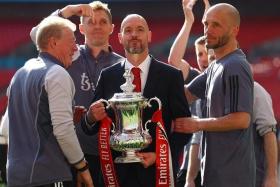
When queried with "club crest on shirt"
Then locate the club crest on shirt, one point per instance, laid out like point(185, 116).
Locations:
point(86, 84)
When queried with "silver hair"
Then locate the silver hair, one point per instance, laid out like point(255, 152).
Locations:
point(51, 26)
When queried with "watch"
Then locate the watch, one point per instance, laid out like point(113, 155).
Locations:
point(82, 169)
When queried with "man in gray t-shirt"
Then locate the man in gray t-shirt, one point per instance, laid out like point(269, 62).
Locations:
point(227, 85)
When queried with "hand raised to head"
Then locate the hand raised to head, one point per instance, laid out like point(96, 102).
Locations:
point(77, 10)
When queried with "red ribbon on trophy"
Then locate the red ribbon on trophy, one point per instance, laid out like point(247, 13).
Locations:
point(107, 165)
point(164, 171)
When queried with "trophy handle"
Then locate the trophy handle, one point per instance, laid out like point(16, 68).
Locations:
point(107, 103)
point(113, 128)
point(146, 130)
point(149, 105)
point(154, 99)
point(107, 107)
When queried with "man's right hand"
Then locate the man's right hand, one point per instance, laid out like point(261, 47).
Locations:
point(77, 10)
point(186, 125)
point(189, 184)
point(96, 112)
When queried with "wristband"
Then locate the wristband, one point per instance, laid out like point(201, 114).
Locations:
point(83, 168)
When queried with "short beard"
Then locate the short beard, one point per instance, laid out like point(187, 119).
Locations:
point(133, 50)
point(221, 42)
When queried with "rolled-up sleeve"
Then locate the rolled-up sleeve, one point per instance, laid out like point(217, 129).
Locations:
point(263, 115)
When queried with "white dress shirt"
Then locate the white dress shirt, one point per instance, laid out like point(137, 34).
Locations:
point(144, 67)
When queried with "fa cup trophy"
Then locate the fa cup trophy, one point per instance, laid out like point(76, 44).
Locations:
point(128, 134)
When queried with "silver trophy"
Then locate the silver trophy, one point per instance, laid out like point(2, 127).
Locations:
point(128, 134)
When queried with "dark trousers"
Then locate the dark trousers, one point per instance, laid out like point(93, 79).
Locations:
point(95, 169)
point(3, 161)
point(135, 175)
point(57, 184)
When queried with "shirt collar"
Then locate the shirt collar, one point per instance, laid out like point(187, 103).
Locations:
point(144, 66)
point(50, 57)
point(102, 52)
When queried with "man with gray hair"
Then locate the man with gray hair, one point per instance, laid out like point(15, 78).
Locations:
point(41, 130)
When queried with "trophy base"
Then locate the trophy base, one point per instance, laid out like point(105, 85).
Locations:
point(128, 157)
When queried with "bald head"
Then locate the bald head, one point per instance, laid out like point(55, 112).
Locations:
point(221, 26)
point(133, 18)
point(228, 11)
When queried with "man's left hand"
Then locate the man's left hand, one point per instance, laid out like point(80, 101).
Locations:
point(148, 158)
point(270, 181)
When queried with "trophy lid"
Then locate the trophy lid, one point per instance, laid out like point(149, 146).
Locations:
point(128, 95)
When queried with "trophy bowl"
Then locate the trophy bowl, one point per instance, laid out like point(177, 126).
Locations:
point(128, 135)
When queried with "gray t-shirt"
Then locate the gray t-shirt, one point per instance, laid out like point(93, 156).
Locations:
point(227, 157)
point(264, 122)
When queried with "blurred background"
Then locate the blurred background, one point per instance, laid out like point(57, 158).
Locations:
point(259, 35)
